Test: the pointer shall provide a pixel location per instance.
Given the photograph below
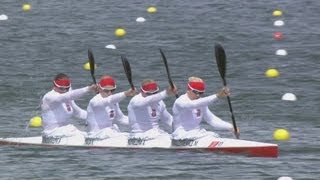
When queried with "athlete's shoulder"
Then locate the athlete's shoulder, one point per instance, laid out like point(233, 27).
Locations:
point(182, 98)
point(50, 94)
point(137, 97)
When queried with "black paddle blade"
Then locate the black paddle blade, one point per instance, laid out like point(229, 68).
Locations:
point(127, 70)
point(221, 61)
point(167, 69)
point(92, 64)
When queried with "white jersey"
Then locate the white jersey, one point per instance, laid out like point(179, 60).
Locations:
point(188, 114)
point(146, 112)
point(57, 109)
point(102, 112)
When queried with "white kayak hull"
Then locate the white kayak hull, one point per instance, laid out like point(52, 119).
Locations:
point(234, 146)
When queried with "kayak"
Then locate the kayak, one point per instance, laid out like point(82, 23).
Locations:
point(224, 145)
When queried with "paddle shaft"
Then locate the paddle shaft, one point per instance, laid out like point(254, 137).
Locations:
point(231, 111)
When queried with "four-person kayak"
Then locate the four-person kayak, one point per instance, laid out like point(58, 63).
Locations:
point(225, 145)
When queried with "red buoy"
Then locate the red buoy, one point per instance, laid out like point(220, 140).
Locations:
point(278, 35)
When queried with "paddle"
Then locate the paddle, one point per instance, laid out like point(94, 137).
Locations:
point(167, 69)
point(221, 63)
point(92, 64)
point(127, 70)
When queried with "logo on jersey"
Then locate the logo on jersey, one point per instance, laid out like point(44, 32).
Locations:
point(198, 112)
point(153, 112)
point(111, 114)
point(68, 107)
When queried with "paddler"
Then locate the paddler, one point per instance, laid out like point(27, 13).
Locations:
point(104, 111)
point(147, 109)
point(58, 107)
point(190, 108)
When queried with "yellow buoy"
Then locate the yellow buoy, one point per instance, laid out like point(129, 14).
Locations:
point(120, 32)
point(281, 135)
point(26, 7)
point(86, 66)
point(152, 9)
point(272, 73)
point(35, 121)
point(277, 13)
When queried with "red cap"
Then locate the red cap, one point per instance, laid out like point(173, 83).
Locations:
point(150, 87)
point(107, 81)
point(64, 83)
point(198, 86)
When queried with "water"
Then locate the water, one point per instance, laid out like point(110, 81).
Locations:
point(54, 37)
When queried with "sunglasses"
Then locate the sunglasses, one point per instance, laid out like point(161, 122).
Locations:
point(63, 89)
point(197, 92)
point(108, 91)
point(151, 93)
